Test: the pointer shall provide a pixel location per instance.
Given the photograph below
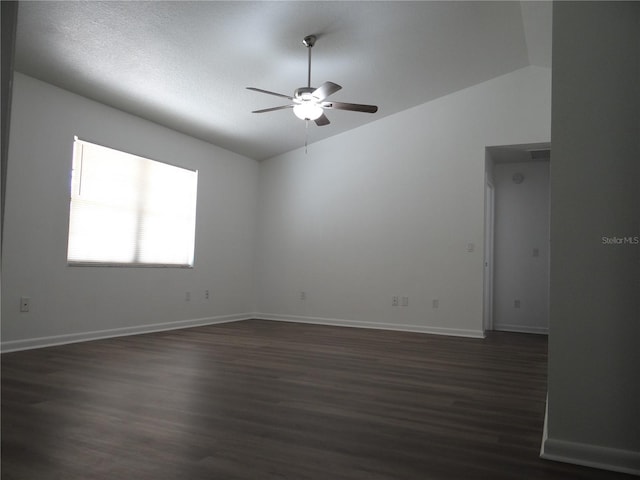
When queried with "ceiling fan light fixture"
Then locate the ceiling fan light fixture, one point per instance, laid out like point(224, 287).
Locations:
point(307, 111)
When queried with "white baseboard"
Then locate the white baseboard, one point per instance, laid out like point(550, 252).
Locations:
point(594, 456)
point(41, 342)
point(16, 345)
point(381, 326)
point(521, 329)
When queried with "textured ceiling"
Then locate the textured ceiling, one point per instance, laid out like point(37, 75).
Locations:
point(185, 65)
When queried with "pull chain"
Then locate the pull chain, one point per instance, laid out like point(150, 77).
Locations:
point(306, 136)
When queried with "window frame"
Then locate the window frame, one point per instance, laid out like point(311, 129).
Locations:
point(134, 264)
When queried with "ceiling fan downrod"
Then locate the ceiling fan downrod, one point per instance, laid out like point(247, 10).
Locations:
point(309, 41)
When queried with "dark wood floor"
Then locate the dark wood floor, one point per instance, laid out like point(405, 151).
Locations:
point(260, 400)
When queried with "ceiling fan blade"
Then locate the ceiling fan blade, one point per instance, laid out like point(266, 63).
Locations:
point(269, 93)
point(354, 107)
point(326, 89)
point(272, 109)
point(322, 120)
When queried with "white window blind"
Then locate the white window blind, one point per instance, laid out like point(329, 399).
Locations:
point(129, 210)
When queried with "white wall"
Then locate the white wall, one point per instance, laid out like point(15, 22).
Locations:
point(594, 338)
point(389, 209)
point(72, 303)
point(521, 226)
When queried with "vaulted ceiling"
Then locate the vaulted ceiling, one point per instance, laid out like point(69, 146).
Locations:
point(185, 65)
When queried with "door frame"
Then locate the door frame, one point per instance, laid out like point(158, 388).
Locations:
point(489, 228)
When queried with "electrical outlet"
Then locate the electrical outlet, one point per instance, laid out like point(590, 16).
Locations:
point(187, 297)
point(25, 304)
point(516, 304)
point(435, 303)
point(405, 301)
point(206, 294)
point(303, 295)
point(536, 252)
point(394, 301)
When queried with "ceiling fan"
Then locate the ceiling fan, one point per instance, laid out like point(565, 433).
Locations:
point(309, 103)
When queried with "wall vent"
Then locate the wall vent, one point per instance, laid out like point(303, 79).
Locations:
point(540, 154)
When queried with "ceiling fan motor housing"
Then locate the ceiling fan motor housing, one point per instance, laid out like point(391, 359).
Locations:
point(304, 94)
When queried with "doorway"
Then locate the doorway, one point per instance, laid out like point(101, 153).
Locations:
point(517, 238)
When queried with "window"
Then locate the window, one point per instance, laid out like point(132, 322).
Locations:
point(129, 210)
